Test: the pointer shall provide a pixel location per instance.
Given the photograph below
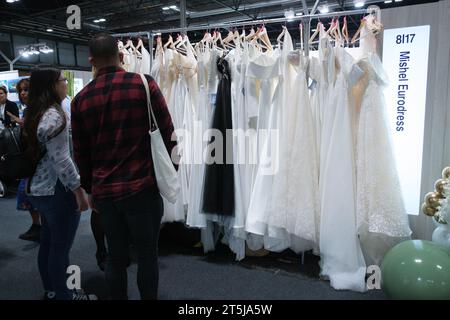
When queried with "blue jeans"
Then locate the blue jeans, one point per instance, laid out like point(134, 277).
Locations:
point(59, 224)
point(136, 219)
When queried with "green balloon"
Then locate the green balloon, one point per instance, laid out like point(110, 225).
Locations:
point(416, 269)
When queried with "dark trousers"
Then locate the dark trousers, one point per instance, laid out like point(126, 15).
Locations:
point(137, 218)
point(59, 224)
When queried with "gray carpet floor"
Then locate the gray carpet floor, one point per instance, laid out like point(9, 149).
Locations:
point(185, 272)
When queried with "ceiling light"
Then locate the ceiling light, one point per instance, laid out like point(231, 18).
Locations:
point(46, 49)
point(12, 1)
point(388, 1)
point(166, 8)
point(102, 20)
point(173, 7)
point(25, 54)
point(299, 14)
point(398, 0)
point(324, 8)
point(359, 3)
point(49, 30)
point(33, 51)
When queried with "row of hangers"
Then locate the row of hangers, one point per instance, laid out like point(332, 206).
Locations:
point(260, 38)
point(342, 35)
point(130, 45)
point(234, 39)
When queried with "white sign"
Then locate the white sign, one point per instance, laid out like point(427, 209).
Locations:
point(405, 59)
point(6, 80)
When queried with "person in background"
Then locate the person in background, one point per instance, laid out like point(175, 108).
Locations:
point(112, 150)
point(6, 108)
point(96, 223)
point(23, 203)
point(55, 188)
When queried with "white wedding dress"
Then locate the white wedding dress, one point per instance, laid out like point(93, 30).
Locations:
point(179, 103)
point(195, 218)
point(269, 69)
point(382, 218)
point(293, 211)
point(342, 260)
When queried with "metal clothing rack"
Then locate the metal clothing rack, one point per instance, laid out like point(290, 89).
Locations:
point(305, 19)
point(147, 34)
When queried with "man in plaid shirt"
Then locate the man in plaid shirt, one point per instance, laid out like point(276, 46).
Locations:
point(112, 150)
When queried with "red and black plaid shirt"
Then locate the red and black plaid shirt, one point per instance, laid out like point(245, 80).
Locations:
point(110, 133)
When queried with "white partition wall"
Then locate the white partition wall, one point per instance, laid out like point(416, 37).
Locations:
point(436, 149)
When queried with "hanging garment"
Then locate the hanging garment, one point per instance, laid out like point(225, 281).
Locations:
point(130, 56)
point(158, 71)
point(145, 61)
point(316, 90)
point(342, 260)
point(241, 121)
point(177, 102)
point(195, 218)
point(138, 60)
point(271, 99)
point(238, 60)
point(218, 196)
point(293, 210)
point(127, 59)
point(382, 219)
point(170, 73)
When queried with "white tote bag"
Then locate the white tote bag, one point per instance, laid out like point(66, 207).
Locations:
point(166, 175)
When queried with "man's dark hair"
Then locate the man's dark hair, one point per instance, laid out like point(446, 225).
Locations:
point(103, 46)
point(3, 88)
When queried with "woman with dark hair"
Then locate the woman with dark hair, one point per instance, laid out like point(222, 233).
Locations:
point(55, 188)
point(7, 108)
point(23, 203)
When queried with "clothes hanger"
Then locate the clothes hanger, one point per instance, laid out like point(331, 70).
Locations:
point(251, 35)
point(140, 45)
point(229, 36)
point(129, 44)
point(179, 39)
point(361, 26)
point(330, 30)
point(345, 31)
point(180, 45)
point(337, 32)
point(265, 39)
point(243, 35)
point(237, 39)
point(279, 41)
point(189, 46)
point(227, 41)
point(254, 38)
point(311, 40)
point(169, 42)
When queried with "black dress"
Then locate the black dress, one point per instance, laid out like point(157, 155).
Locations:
point(218, 195)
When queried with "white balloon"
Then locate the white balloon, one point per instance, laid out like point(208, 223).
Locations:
point(441, 235)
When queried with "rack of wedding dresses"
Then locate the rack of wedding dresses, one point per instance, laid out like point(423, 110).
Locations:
point(324, 178)
point(136, 58)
